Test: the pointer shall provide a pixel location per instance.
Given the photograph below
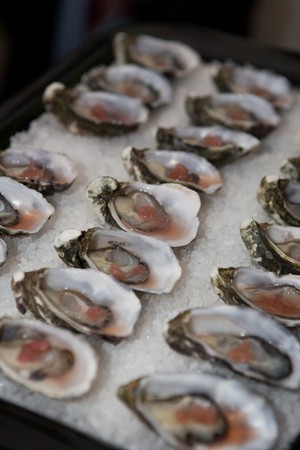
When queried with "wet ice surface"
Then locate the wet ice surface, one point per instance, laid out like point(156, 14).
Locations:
point(218, 243)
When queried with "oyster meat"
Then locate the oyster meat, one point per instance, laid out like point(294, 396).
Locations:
point(244, 112)
point(150, 87)
point(281, 199)
point(3, 252)
point(46, 359)
point(168, 57)
point(99, 113)
point(202, 411)
point(163, 166)
point(274, 247)
point(144, 263)
point(277, 295)
point(42, 170)
point(167, 212)
point(249, 80)
point(22, 210)
point(217, 144)
point(88, 301)
point(244, 339)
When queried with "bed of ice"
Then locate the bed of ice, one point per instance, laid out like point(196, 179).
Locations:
point(218, 243)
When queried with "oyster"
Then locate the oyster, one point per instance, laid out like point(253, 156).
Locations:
point(202, 411)
point(217, 144)
point(248, 80)
point(46, 359)
point(167, 212)
point(161, 166)
point(3, 252)
point(88, 301)
point(22, 210)
point(99, 113)
point(291, 167)
point(144, 263)
point(169, 57)
point(275, 247)
point(45, 171)
point(150, 87)
point(245, 112)
point(246, 340)
point(281, 199)
point(277, 295)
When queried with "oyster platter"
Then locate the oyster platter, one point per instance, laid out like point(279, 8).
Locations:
point(150, 253)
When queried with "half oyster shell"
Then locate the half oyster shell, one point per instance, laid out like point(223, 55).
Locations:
point(46, 359)
point(88, 301)
point(150, 87)
point(202, 411)
point(99, 113)
point(246, 340)
point(163, 166)
point(168, 57)
point(276, 295)
point(22, 210)
point(274, 247)
point(244, 112)
point(3, 252)
point(167, 212)
point(144, 263)
point(249, 80)
point(281, 199)
point(217, 144)
point(42, 170)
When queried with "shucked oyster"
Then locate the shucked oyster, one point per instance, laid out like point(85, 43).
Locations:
point(150, 87)
point(169, 57)
point(99, 113)
point(22, 210)
point(245, 112)
point(88, 301)
point(144, 263)
point(167, 212)
point(275, 247)
point(281, 199)
point(161, 166)
point(202, 411)
point(42, 170)
point(246, 340)
point(217, 144)
point(248, 80)
point(46, 359)
point(276, 295)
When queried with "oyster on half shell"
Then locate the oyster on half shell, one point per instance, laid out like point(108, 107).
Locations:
point(144, 263)
point(244, 339)
point(277, 295)
point(167, 212)
point(202, 411)
point(164, 166)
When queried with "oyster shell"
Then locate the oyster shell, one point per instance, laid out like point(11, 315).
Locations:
point(291, 168)
point(162, 166)
point(88, 301)
point(246, 340)
point(202, 411)
point(3, 252)
point(169, 57)
point(274, 247)
point(281, 199)
point(42, 170)
point(99, 113)
point(22, 210)
point(167, 212)
point(276, 295)
point(144, 263)
point(46, 359)
point(249, 80)
point(150, 87)
point(217, 144)
point(245, 112)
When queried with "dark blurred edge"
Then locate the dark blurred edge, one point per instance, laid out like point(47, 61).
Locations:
point(18, 425)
